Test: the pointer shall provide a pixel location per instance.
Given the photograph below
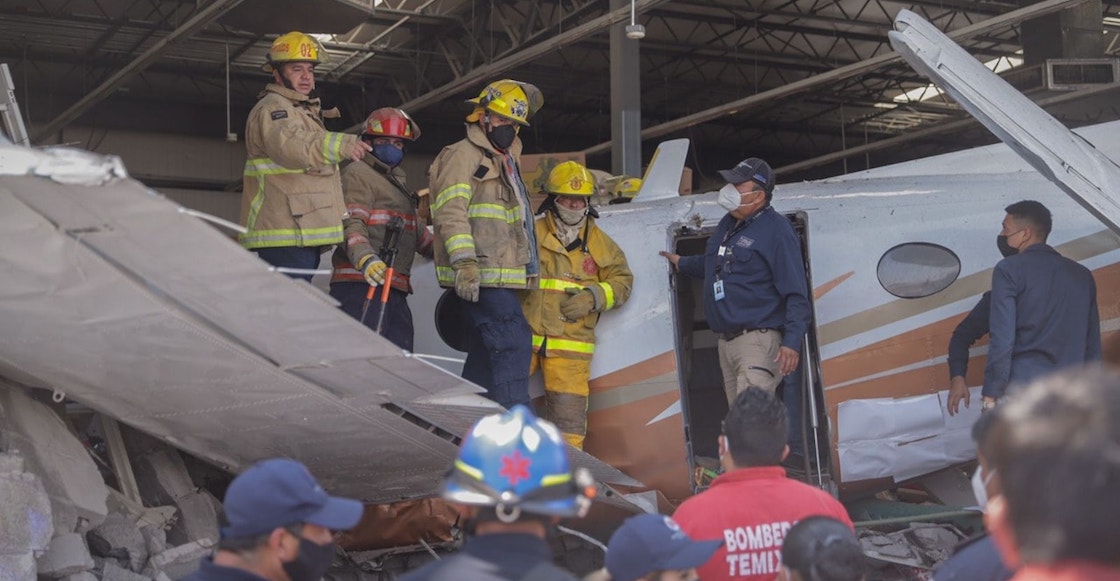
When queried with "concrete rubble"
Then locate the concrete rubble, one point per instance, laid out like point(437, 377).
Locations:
point(60, 520)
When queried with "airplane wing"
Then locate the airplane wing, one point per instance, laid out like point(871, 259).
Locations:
point(113, 296)
point(1062, 156)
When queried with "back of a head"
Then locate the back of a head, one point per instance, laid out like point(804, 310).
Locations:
point(1056, 447)
point(820, 548)
point(1034, 214)
point(756, 428)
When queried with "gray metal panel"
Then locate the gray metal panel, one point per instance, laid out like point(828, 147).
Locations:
point(153, 317)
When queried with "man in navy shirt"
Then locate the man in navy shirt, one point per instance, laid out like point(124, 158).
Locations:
point(755, 291)
point(1044, 306)
point(281, 525)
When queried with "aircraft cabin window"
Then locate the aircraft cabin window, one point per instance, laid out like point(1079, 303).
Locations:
point(918, 269)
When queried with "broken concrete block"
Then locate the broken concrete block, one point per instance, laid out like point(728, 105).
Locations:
point(11, 462)
point(163, 479)
point(119, 537)
point(83, 576)
point(155, 539)
point(17, 567)
point(67, 554)
point(197, 520)
point(52, 452)
point(180, 561)
point(110, 571)
point(25, 514)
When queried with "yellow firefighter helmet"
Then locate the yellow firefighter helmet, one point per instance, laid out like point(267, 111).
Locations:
point(570, 179)
point(294, 47)
point(626, 187)
point(509, 99)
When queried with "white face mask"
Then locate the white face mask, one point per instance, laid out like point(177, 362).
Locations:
point(729, 198)
point(980, 487)
point(571, 217)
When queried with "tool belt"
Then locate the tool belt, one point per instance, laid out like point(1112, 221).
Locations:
point(730, 335)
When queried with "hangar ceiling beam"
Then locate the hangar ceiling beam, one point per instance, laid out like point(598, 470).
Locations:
point(925, 133)
point(356, 58)
point(527, 55)
point(846, 72)
point(203, 17)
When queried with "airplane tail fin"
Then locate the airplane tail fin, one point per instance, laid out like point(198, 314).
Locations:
point(663, 176)
point(1062, 156)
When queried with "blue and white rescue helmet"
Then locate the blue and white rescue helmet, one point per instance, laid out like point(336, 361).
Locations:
point(517, 462)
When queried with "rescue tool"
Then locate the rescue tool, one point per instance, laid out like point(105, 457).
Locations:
point(388, 253)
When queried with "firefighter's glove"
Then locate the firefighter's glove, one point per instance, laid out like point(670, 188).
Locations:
point(373, 269)
point(466, 279)
point(578, 305)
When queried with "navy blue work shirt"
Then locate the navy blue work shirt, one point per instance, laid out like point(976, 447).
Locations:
point(208, 571)
point(974, 560)
point(495, 557)
point(763, 276)
point(968, 331)
point(1044, 317)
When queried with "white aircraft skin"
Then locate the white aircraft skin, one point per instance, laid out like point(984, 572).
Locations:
point(881, 359)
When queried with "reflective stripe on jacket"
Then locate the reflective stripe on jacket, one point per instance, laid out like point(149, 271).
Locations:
point(374, 195)
point(477, 214)
point(599, 266)
point(292, 194)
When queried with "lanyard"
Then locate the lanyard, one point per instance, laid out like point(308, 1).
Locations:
point(725, 250)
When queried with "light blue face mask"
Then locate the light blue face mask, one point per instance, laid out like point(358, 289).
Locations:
point(388, 154)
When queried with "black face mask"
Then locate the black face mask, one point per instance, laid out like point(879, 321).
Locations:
point(502, 137)
point(1005, 248)
point(312, 561)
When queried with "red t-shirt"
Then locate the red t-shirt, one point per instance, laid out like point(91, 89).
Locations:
point(1068, 571)
point(751, 509)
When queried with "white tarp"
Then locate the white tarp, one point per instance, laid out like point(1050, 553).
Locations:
point(904, 438)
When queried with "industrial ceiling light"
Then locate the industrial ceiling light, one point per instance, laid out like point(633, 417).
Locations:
point(634, 30)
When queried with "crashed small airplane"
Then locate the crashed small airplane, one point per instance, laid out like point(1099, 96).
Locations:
point(115, 297)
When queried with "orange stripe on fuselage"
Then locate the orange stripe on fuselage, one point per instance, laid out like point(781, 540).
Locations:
point(638, 372)
point(932, 341)
point(822, 290)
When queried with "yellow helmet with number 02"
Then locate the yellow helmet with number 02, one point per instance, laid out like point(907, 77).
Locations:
point(509, 99)
point(570, 179)
point(294, 47)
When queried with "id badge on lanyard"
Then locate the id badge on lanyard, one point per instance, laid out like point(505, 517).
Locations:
point(717, 286)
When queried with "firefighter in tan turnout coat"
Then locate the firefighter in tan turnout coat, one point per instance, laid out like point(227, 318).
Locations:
point(292, 200)
point(583, 274)
point(485, 247)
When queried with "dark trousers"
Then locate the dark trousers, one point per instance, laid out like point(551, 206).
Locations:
point(305, 257)
point(397, 326)
point(501, 346)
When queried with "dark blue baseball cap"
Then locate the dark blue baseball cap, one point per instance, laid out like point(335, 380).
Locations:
point(280, 492)
point(654, 542)
point(751, 169)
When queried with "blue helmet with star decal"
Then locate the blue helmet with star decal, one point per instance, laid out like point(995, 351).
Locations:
point(517, 462)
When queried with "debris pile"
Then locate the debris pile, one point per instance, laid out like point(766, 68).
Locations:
point(62, 521)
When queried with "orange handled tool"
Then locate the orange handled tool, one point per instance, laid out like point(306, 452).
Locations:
point(388, 253)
